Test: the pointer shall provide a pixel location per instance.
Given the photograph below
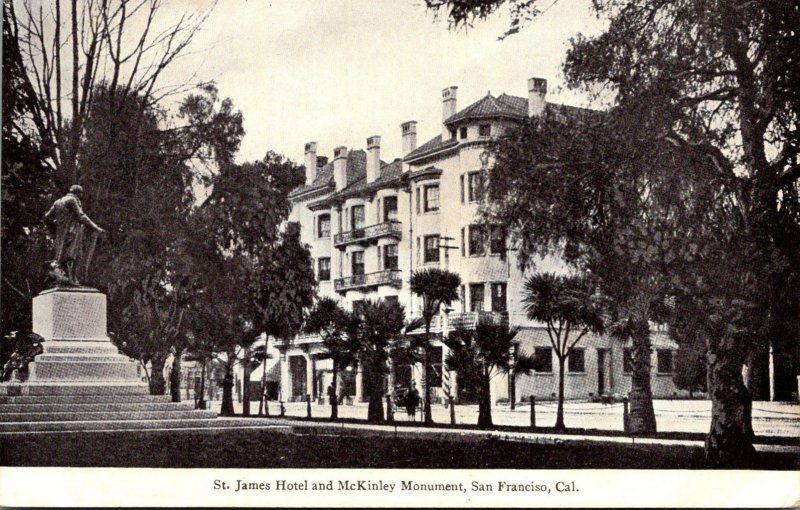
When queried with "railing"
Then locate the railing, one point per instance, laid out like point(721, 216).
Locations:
point(467, 320)
point(301, 338)
point(391, 228)
point(358, 281)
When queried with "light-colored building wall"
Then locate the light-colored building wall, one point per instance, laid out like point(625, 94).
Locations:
point(447, 163)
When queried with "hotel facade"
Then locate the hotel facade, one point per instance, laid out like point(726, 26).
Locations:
point(371, 223)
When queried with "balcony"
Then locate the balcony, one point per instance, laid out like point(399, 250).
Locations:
point(391, 228)
point(467, 320)
point(363, 281)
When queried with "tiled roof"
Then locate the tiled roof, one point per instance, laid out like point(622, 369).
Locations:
point(390, 174)
point(356, 170)
point(492, 107)
point(431, 146)
point(504, 105)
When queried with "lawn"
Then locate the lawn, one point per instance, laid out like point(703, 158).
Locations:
point(253, 448)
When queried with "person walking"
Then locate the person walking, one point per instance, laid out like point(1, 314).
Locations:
point(412, 402)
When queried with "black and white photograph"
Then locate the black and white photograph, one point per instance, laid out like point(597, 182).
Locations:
point(538, 253)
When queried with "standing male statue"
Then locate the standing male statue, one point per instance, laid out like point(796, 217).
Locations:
point(74, 241)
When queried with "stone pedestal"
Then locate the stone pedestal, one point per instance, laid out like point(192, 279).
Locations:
point(76, 347)
point(81, 381)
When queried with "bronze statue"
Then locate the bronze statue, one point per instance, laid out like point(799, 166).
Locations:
point(74, 242)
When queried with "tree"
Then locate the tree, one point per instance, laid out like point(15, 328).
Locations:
point(436, 287)
point(379, 326)
point(242, 221)
point(485, 352)
point(690, 359)
point(570, 308)
point(332, 323)
point(139, 186)
point(719, 71)
point(284, 289)
point(68, 49)
point(27, 185)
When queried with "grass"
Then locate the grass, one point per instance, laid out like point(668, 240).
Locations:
point(253, 448)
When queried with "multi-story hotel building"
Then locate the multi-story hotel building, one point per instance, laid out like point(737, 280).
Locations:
point(371, 223)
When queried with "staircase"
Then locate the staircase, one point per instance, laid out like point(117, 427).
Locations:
point(80, 381)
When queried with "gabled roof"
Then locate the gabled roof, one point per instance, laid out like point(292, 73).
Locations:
point(356, 170)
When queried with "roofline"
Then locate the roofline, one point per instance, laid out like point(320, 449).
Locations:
point(432, 153)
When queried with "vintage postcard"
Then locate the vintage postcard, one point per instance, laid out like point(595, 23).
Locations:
point(511, 253)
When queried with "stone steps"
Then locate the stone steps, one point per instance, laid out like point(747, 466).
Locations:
point(94, 425)
point(174, 414)
point(51, 388)
point(84, 399)
point(96, 407)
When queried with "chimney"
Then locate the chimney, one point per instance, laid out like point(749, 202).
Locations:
point(537, 90)
point(311, 162)
point(373, 158)
point(340, 167)
point(448, 109)
point(409, 130)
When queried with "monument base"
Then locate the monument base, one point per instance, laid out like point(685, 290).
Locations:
point(81, 381)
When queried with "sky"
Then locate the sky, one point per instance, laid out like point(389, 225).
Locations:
point(339, 71)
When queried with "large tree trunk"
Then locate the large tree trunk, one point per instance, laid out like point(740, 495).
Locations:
point(158, 386)
point(335, 398)
point(560, 412)
point(642, 418)
point(425, 387)
point(175, 376)
point(246, 383)
point(227, 392)
point(374, 379)
point(730, 440)
point(485, 403)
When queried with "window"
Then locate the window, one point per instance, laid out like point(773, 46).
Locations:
point(358, 307)
point(543, 359)
point(664, 361)
point(463, 243)
point(323, 226)
point(484, 130)
point(434, 375)
point(391, 300)
point(476, 297)
point(576, 360)
point(357, 217)
point(463, 133)
point(358, 263)
point(390, 256)
point(475, 181)
point(627, 360)
point(419, 193)
point(432, 198)
point(462, 187)
point(477, 240)
point(497, 243)
point(462, 297)
point(324, 269)
point(431, 249)
point(389, 208)
point(499, 297)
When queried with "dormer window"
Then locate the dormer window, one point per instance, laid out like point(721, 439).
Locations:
point(463, 133)
point(485, 130)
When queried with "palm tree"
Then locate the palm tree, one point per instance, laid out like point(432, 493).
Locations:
point(484, 353)
point(436, 287)
point(333, 323)
point(570, 308)
point(380, 327)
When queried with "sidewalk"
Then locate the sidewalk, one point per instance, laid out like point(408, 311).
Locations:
point(693, 416)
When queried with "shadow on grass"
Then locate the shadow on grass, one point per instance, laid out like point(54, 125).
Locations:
point(255, 448)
